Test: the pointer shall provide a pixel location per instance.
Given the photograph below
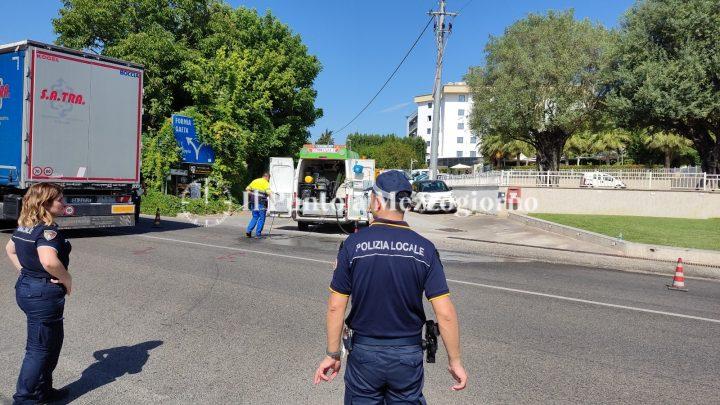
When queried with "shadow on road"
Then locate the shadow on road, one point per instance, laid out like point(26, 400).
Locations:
point(328, 229)
point(111, 364)
point(145, 225)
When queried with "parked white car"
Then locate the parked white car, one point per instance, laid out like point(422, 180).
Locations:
point(433, 195)
point(600, 180)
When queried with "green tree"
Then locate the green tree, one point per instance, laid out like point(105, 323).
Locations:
point(492, 149)
point(247, 78)
point(667, 72)
point(541, 83)
point(578, 146)
point(610, 141)
point(160, 153)
point(159, 34)
point(389, 151)
point(516, 149)
point(497, 150)
point(393, 155)
point(326, 138)
point(671, 145)
point(259, 81)
point(640, 153)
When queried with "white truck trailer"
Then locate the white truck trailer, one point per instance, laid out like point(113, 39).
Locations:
point(75, 119)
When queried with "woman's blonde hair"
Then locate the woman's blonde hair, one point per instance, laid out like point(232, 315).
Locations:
point(35, 203)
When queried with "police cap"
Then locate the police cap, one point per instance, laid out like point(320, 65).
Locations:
point(392, 185)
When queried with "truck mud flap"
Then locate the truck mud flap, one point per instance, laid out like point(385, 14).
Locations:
point(11, 205)
point(95, 221)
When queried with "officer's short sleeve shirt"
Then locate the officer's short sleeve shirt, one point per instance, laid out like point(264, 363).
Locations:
point(28, 240)
point(386, 269)
point(435, 283)
point(342, 279)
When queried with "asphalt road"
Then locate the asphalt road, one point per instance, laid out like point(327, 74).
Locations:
point(200, 315)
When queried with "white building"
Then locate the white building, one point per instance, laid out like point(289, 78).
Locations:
point(457, 143)
point(411, 124)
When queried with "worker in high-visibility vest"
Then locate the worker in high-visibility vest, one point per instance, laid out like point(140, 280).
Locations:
point(259, 190)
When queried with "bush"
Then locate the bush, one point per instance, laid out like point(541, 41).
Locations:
point(198, 207)
point(171, 205)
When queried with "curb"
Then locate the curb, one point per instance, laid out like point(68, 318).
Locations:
point(631, 250)
point(575, 233)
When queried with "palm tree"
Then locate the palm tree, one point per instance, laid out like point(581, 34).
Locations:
point(326, 138)
point(517, 148)
point(579, 145)
point(492, 146)
point(614, 140)
point(668, 143)
point(498, 149)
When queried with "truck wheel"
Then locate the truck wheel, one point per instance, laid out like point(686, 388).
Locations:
point(303, 226)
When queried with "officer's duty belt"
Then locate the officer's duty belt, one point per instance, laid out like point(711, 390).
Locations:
point(34, 276)
point(371, 341)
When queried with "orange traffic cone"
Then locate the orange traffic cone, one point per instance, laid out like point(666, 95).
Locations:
point(678, 283)
point(156, 223)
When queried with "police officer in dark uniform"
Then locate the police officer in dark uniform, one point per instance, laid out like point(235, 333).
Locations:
point(385, 269)
point(41, 256)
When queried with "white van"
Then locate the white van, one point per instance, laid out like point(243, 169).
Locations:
point(600, 180)
point(327, 186)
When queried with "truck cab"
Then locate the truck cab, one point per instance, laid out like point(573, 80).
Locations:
point(326, 186)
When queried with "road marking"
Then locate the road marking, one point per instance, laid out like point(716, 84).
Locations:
point(494, 287)
point(603, 304)
point(238, 249)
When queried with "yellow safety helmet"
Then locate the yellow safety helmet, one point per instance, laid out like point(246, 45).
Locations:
point(308, 179)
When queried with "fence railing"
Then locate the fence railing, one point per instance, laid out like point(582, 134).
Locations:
point(691, 169)
point(631, 179)
point(8, 173)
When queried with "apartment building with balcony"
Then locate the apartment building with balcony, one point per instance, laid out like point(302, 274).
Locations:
point(457, 143)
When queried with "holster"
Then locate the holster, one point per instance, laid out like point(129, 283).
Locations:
point(347, 339)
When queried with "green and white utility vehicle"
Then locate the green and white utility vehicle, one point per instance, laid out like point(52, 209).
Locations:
point(326, 186)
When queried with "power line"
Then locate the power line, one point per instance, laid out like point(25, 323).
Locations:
point(389, 78)
point(465, 5)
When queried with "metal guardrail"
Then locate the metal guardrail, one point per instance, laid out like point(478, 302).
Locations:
point(635, 180)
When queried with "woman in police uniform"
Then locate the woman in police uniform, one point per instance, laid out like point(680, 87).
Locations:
point(40, 255)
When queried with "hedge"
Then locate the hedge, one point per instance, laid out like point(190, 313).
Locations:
point(171, 205)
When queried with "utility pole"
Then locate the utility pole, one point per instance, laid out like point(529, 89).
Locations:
point(441, 32)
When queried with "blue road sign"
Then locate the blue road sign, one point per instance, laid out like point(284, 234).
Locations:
point(193, 151)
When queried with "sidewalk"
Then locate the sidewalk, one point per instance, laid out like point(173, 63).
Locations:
point(491, 229)
point(490, 235)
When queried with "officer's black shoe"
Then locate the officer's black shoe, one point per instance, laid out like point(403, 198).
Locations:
point(248, 234)
point(55, 395)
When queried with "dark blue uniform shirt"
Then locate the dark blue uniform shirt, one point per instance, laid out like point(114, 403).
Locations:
point(28, 240)
point(385, 268)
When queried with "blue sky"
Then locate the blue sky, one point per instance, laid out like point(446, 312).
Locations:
point(359, 43)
